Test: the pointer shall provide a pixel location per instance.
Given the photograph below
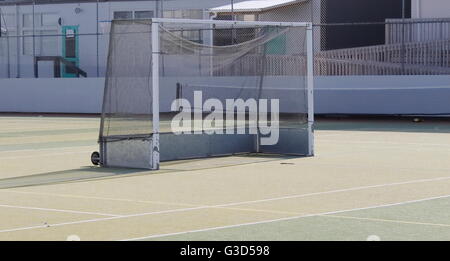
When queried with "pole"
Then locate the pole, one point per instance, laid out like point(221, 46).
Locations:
point(34, 31)
point(232, 10)
point(8, 55)
point(310, 87)
point(18, 42)
point(261, 84)
point(97, 34)
point(233, 18)
point(157, 8)
point(155, 96)
point(403, 49)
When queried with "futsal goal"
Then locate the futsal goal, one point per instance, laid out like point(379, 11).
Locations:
point(180, 88)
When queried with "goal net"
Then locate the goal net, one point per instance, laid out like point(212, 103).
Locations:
point(179, 89)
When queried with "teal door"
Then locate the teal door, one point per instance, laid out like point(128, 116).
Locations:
point(277, 46)
point(70, 49)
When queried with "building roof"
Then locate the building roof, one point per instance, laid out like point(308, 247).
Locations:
point(255, 6)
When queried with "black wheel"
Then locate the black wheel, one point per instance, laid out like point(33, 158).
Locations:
point(95, 158)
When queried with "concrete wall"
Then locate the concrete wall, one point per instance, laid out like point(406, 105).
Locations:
point(383, 95)
point(334, 95)
point(430, 8)
point(51, 95)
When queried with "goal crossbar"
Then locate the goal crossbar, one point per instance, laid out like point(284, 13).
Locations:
point(227, 22)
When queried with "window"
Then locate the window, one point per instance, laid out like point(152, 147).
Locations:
point(45, 42)
point(144, 14)
point(7, 24)
point(8, 27)
point(123, 15)
point(50, 20)
point(8, 47)
point(48, 43)
point(40, 20)
point(187, 14)
point(246, 17)
point(192, 35)
point(28, 42)
point(28, 20)
point(3, 47)
point(45, 38)
point(239, 17)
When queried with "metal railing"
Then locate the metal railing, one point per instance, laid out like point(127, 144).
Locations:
point(417, 30)
point(427, 54)
point(362, 61)
point(250, 65)
point(341, 67)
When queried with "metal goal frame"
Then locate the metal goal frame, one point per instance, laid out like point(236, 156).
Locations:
point(154, 161)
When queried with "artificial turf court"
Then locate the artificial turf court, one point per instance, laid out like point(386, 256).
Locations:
point(386, 179)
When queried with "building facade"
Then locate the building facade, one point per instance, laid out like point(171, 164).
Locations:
point(78, 30)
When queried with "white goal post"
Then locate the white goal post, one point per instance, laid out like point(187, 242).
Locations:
point(118, 147)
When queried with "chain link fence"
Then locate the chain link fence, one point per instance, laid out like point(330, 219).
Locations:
point(375, 38)
point(351, 37)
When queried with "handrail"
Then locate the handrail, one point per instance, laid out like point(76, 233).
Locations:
point(57, 60)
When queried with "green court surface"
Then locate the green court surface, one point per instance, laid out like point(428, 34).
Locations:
point(423, 220)
point(386, 179)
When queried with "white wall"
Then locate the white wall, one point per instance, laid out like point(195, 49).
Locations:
point(86, 20)
point(430, 8)
point(333, 95)
point(51, 95)
point(382, 94)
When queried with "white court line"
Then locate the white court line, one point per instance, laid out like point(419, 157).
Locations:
point(103, 219)
point(45, 149)
point(97, 198)
point(383, 167)
point(337, 191)
point(387, 220)
point(227, 204)
point(39, 119)
point(36, 128)
point(387, 142)
point(59, 210)
point(43, 155)
point(283, 219)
